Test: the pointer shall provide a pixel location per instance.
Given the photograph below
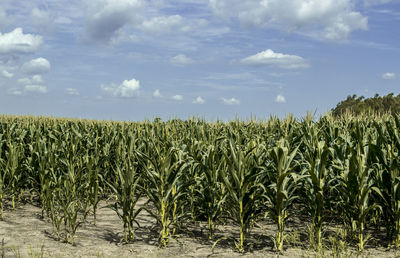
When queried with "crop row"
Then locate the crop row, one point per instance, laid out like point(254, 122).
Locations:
point(343, 170)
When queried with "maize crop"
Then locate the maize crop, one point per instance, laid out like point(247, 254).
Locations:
point(331, 170)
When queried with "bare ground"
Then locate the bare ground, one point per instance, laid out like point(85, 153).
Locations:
point(26, 234)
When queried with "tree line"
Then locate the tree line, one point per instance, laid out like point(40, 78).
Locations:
point(360, 105)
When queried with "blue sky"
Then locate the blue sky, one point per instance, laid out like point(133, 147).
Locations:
point(217, 59)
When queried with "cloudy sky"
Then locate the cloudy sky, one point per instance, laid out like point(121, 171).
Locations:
point(141, 59)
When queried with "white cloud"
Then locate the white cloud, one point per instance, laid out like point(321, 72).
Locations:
point(162, 24)
point(328, 19)
point(389, 76)
point(231, 101)
point(199, 100)
point(36, 66)
point(127, 89)
point(36, 88)
point(157, 94)
point(270, 58)
point(16, 42)
point(72, 91)
point(106, 17)
point(280, 99)
point(181, 60)
point(7, 74)
point(112, 21)
point(177, 97)
point(24, 81)
point(37, 78)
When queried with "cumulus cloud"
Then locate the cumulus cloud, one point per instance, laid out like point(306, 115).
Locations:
point(328, 19)
point(389, 76)
point(7, 74)
point(181, 60)
point(177, 97)
point(127, 89)
point(280, 99)
point(72, 91)
point(231, 101)
point(36, 89)
point(270, 58)
point(35, 79)
point(157, 94)
point(36, 66)
point(16, 42)
point(106, 17)
point(162, 24)
point(199, 100)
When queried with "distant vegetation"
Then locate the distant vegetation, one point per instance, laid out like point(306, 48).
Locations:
point(361, 105)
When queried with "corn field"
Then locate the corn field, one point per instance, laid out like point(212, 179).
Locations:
point(327, 172)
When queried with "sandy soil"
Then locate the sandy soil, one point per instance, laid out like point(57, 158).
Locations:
point(26, 234)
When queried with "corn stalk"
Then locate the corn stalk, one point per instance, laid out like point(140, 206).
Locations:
point(280, 182)
point(243, 190)
point(162, 171)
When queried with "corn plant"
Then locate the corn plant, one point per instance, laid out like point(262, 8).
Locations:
point(210, 194)
point(162, 170)
point(42, 158)
point(195, 152)
point(280, 181)
point(66, 188)
point(318, 179)
point(125, 189)
point(243, 190)
point(13, 170)
point(357, 185)
point(386, 153)
point(94, 189)
point(72, 199)
point(2, 177)
point(317, 182)
point(53, 195)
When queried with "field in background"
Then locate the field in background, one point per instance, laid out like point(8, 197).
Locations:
point(261, 187)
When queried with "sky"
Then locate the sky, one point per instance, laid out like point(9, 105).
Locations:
point(213, 59)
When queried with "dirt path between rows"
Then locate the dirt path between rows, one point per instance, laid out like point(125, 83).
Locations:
point(26, 234)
